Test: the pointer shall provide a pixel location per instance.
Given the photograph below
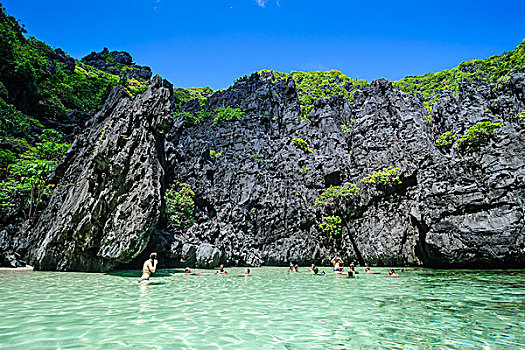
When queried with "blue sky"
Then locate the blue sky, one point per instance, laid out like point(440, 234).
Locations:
point(211, 43)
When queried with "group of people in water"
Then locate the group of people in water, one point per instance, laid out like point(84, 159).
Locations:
point(338, 268)
point(150, 266)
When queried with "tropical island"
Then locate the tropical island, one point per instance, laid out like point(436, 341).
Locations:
point(296, 208)
point(102, 164)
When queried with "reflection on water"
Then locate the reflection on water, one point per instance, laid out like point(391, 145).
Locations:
point(270, 309)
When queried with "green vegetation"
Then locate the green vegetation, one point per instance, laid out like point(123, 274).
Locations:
point(14, 123)
point(312, 86)
point(495, 69)
point(44, 82)
point(257, 157)
point(24, 175)
point(331, 225)
point(302, 144)
point(215, 154)
point(181, 96)
point(521, 115)
point(334, 194)
point(477, 135)
point(334, 200)
point(38, 83)
point(445, 140)
point(428, 118)
point(385, 178)
point(347, 128)
point(227, 114)
point(180, 205)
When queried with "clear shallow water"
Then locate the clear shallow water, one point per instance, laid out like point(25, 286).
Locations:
point(271, 309)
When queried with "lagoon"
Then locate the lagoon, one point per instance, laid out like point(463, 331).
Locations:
point(271, 309)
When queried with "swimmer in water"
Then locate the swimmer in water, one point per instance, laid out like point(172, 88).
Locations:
point(392, 273)
point(187, 270)
point(352, 268)
point(296, 268)
point(221, 269)
point(245, 274)
point(315, 271)
point(351, 274)
point(338, 264)
point(149, 268)
point(292, 268)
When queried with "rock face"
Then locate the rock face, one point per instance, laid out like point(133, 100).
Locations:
point(118, 63)
point(255, 193)
point(109, 186)
point(255, 203)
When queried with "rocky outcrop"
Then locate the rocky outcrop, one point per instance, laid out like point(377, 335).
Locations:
point(255, 203)
point(255, 188)
point(108, 188)
point(118, 63)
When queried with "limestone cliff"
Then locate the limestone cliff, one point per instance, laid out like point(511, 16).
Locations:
point(109, 187)
point(255, 203)
point(255, 187)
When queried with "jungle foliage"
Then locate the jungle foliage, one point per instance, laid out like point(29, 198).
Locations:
point(312, 86)
point(180, 205)
point(39, 84)
point(23, 176)
point(493, 70)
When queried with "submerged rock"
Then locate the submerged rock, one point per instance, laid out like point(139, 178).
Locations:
point(108, 188)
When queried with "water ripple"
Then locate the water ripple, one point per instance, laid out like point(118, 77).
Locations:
point(271, 309)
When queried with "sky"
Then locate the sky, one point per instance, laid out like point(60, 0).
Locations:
point(213, 42)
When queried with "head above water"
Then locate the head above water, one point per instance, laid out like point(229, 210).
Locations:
point(153, 256)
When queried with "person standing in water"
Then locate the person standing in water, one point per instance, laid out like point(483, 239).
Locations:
point(149, 267)
point(221, 269)
point(338, 264)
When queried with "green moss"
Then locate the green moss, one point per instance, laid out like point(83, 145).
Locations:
point(181, 96)
point(427, 119)
point(521, 115)
point(257, 157)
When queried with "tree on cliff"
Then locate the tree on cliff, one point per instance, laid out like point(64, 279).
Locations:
point(334, 200)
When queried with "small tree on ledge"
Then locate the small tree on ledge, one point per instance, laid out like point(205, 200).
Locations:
point(333, 199)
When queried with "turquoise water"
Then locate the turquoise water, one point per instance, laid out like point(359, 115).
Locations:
point(272, 309)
